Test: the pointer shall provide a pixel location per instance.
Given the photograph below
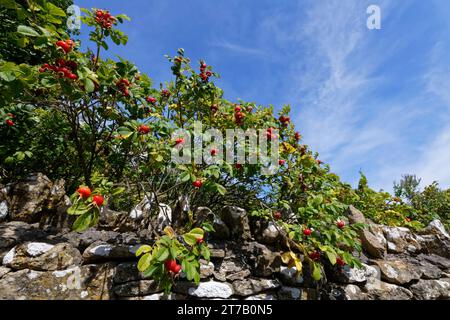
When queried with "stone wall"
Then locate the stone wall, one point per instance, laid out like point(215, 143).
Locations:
point(42, 259)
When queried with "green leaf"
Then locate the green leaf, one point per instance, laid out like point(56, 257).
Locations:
point(78, 208)
point(83, 222)
point(27, 31)
point(198, 233)
point(316, 272)
point(190, 239)
point(144, 262)
point(185, 176)
point(205, 252)
point(162, 254)
point(19, 155)
point(150, 271)
point(332, 257)
point(220, 189)
point(89, 85)
point(54, 10)
point(143, 249)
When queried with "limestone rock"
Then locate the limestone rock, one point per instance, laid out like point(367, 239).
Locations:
point(221, 230)
point(106, 251)
point(434, 244)
point(348, 275)
point(42, 256)
point(436, 227)
point(202, 214)
point(265, 232)
point(431, 289)
point(137, 288)
point(82, 240)
point(400, 240)
point(231, 269)
point(28, 199)
point(264, 262)
point(261, 297)
point(334, 291)
point(379, 290)
point(354, 215)
point(206, 269)
point(289, 277)
point(289, 293)
point(3, 210)
point(373, 241)
point(248, 287)
point(156, 296)
point(440, 262)
point(127, 272)
point(3, 271)
point(237, 222)
point(398, 271)
point(89, 282)
point(211, 289)
point(15, 232)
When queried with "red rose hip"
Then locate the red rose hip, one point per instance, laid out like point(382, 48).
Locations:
point(98, 200)
point(85, 192)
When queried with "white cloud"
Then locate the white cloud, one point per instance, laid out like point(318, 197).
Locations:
point(238, 48)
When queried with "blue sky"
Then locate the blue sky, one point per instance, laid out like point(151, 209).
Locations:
point(370, 100)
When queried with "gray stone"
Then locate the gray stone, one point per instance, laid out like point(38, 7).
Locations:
point(237, 222)
point(137, 288)
point(400, 240)
point(289, 277)
point(265, 231)
point(156, 296)
point(15, 232)
point(3, 271)
point(428, 270)
point(434, 244)
point(238, 275)
point(206, 269)
point(398, 271)
point(373, 241)
point(270, 234)
point(436, 227)
point(202, 214)
point(431, 289)
point(106, 251)
point(28, 199)
point(127, 272)
point(354, 215)
point(221, 230)
point(217, 253)
point(379, 290)
point(334, 291)
point(353, 292)
point(89, 282)
point(261, 297)
point(289, 293)
point(3, 210)
point(440, 262)
point(231, 269)
point(262, 261)
point(211, 289)
point(248, 287)
point(349, 275)
point(42, 256)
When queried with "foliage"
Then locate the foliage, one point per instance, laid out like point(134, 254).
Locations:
point(410, 207)
point(187, 249)
point(101, 125)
